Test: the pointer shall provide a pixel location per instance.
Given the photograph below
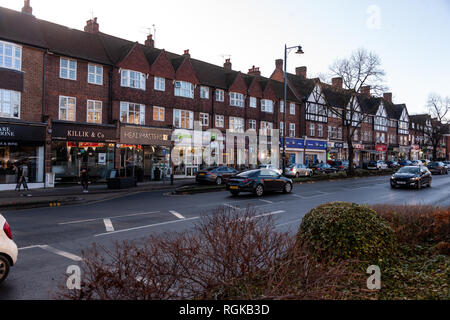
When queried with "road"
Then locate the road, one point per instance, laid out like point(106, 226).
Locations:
point(51, 239)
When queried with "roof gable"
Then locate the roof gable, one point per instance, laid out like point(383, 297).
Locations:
point(161, 67)
point(254, 88)
point(316, 96)
point(184, 70)
point(238, 84)
point(135, 60)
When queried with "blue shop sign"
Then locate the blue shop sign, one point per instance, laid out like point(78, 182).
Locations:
point(300, 144)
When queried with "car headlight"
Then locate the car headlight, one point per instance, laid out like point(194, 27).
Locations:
point(414, 179)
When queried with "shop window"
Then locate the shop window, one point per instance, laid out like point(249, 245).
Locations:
point(94, 111)
point(158, 113)
point(14, 156)
point(67, 108)
point(132, 113)
point(9, 104)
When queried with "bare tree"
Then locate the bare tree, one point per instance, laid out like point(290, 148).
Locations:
point(439, 109)
point(361, 69)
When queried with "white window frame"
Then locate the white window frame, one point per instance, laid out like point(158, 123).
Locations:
point(96, 74)
point(253, 103)
point(236, 99)
point(292, 130)
point(183, 116)
point(252, 124)
point(204, 92)
point(267, 126)
point(292, 108)
point(320, 130)
point(159, 84)
point(282, 108)
point(133, 79)
point(204, 119)
point(15, 58)
point(236, 124)
point(184, 89)
point(312, 130)
point(95, 105)
point(267, 105)
point(220, 95)
point(125, 108)
point(68, 69)
point(219, 121)
point(160, 111)
point(66, 107)
point(12, 103)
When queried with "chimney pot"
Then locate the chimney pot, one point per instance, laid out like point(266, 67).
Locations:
point(301, 72)
point(150, 42)
point(337, 82)
point(388, 96)
point(186, 53)
point(92, 26)
point(365, 90)
point(254, 71)
point(27, 9)
point(279, 64)
point(227, 64)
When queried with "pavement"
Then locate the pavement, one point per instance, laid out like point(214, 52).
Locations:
point(51, 239)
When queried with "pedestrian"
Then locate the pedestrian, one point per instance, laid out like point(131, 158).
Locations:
point(22, 176)
point(84, 176)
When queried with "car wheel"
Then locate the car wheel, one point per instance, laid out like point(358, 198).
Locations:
point(4, 268)
point(287, 188)
point(235, 193)
point(259, 190)
point(219, 181)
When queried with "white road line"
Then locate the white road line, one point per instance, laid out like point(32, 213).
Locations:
point(61, 253)
point(264, 215)
point(231, 206)
point(142, 227)
point(298, 196)
point(95, 219)
point(176, 214)
point(266, 201)
point(30, 247)
point(108, 225)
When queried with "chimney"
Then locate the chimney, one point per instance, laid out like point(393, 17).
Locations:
point(365, 90)
point(227, 64)
point(337, 82)
point(254, 71)
point(279, 64)
point(150, 42)
point(27, 9)
point(301, 72)
point(186, 53)
point(388, 96)
point(92, 26)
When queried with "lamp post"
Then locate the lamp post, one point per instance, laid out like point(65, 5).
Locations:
point(299, 51)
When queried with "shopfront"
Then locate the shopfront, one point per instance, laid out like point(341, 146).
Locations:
point(144, 152)
point(80, 144)
point(313, 151)
point(336, 151)
point(21, 144)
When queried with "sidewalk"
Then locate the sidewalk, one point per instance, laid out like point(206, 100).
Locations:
point(65, 195)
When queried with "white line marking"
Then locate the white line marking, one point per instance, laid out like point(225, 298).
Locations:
point(95, 219)
point(264, 215)
point(266, 201)
point(142, 227)
point(30, 247)
point(298, 196)
point(231, 206)
point(176, 214)
point(108, 225)
point(61, 253)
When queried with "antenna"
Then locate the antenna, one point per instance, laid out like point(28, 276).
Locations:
point(225, 56)
point(92, 14)
point(154, 31)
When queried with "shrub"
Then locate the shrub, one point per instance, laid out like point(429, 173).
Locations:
point(346, 230)
point(337, 175)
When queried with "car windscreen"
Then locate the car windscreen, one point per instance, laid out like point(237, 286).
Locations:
point(408, 170)
point(247, 174)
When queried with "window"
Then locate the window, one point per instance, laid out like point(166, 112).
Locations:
point(160, 84)
point(292, 108)
point(220, 95)
point(252, 124)
point(184, 89)
point(267, 127)
point(320, 130)
point(282, 128)
point(183, 119)
point(10, 56)
point(236, 99)
point(340, 133)
point(219, 121)
point(334, 113)
point(133, 79)
point(204, 118)
point(253, 102)
point(266, 105)
point(68, 69)
point(9, 104)
point(282, 106)
point(94, 111)
point(312, 130)
point(132, 113)
point(292, 130)
point(316, 112)
point(95, 74)
point(204, 92)
point(158, 113)
point(67, 108)
point(236, 124)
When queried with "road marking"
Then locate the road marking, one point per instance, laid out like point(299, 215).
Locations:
point(298, 196)
point(30, 247)
point(61, 253)
point(176, 214)
point(264, 215)
point(231, 206)
point(143, 227)
point(108, 225)
point(266, 201)
point(95, 219)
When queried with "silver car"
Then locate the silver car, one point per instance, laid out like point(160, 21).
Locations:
point(297, 170)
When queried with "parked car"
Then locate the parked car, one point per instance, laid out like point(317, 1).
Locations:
point(404, 163)
point(411, 176)
point(270, 167)
point(297, 170)
point(393, 164)
point(377, 165)
point(8, 249)
point(217, 175)
point(322, 168)
point(437, 167)
point(417, 163)
point(259, 181)
point(340, 165)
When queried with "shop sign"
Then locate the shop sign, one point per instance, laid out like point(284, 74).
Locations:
point(82, 132)
point(300, 144)
point(358, 146)
point(380, 147)
point(338, 144)
point(19, 133)
point(145, 136)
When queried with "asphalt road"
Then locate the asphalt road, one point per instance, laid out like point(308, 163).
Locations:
point(51, 239)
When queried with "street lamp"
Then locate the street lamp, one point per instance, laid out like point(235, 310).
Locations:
point(299, 51)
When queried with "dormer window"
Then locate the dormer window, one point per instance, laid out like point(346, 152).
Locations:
point(184, 89)
point(133, 79)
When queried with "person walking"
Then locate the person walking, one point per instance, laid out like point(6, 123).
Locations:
point(84, 176)
point(22, 176)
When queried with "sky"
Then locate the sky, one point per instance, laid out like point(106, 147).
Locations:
point(412, 37)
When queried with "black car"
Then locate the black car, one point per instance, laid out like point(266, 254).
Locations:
point(217, 175)
point(258, 182)
point(393, 164)
point(404, 163)
point(411, 176)
point(339, 164)
point(437, 167)
point(322, 168)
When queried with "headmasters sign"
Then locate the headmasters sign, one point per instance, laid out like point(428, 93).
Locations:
point(145, 136)
point(83, 132)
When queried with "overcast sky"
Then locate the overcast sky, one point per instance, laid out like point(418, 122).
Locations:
point(410, 36)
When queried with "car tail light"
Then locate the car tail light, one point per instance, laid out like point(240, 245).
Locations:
point(7, 230)
point(292, 169)
point(246, 180)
